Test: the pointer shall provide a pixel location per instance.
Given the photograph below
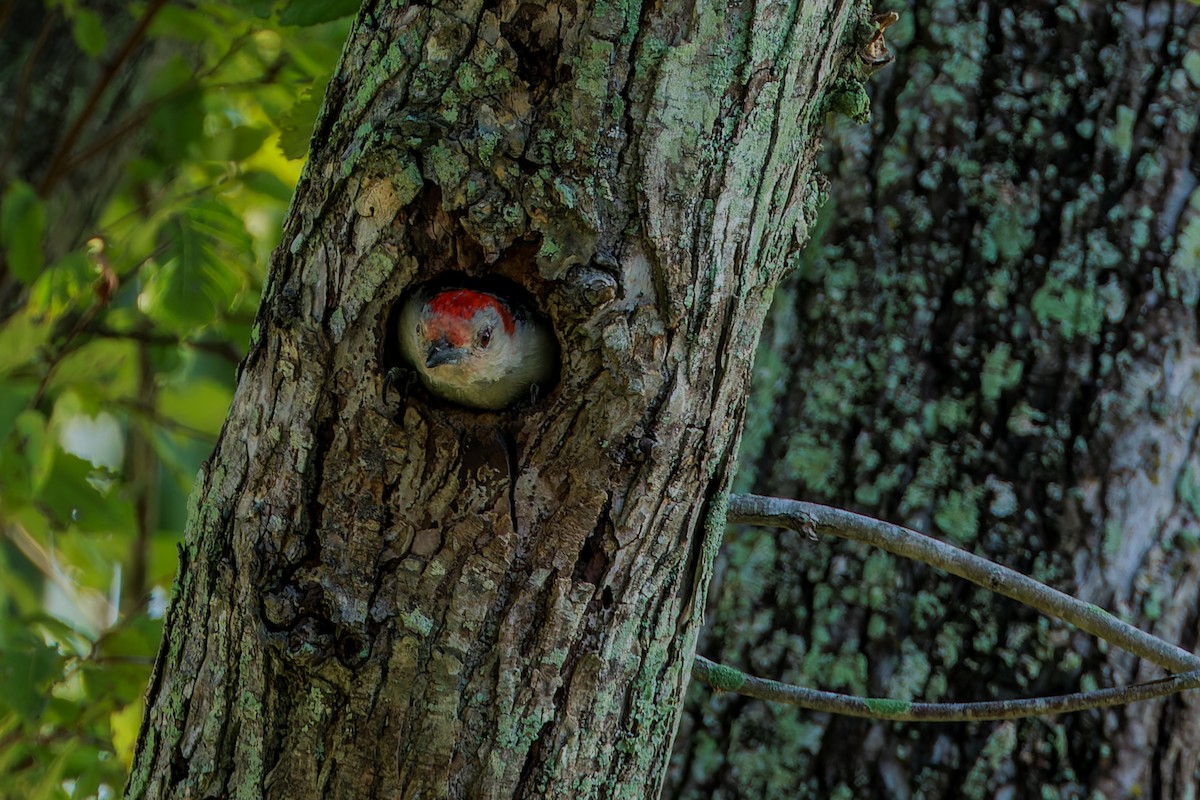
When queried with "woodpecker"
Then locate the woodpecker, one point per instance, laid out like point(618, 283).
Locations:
point(476, 348)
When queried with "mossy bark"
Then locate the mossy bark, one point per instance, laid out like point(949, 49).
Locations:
point(382, 595)
point(994, 339)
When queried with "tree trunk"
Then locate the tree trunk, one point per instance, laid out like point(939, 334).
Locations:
point(392, 597)
point(994, 340)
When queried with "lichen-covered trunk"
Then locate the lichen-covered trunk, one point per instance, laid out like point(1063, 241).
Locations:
point(994, 340)
point(383, 595)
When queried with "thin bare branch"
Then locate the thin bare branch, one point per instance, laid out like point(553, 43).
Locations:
point(54, 172)
point(814, 518)
point(728, 679)
point(223, 350)
point(120, 131)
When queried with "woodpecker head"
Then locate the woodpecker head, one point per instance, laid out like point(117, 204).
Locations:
point(476, 348)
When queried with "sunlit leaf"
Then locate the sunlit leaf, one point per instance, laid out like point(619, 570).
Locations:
point(199, 404)
point(125, 724)
point(21, 338)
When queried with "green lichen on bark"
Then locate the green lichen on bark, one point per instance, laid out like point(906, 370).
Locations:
point(848, 97)
point(885, 706)
point(724, 678)
point(960, 351)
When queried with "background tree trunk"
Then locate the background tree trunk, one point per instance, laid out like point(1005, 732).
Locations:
point(994, 340)
point(396, 598)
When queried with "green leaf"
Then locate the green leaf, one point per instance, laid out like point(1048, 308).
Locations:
point(14, 398)
point(193, 22)
point(314, 12)
point(88, 32)
point(171, 76)
point(178, 123)
point(125, 725)
point(76, 493)
point(20, 340)
point(86, 782)
point(68, 282)
point(103, 369)
point(206, 247)
point(259, 8)
point(26, 451)
point(48, 787)
point(36, 445)
point(296, 126)
point(62, 712)
point(234, 144)
point(181, 456)
point(199, 404)
point(22, 221)
point(136, 637)
point(268, 184)
point(165, 358)
point(27, 667)
point(54, 631)
point(122, 660)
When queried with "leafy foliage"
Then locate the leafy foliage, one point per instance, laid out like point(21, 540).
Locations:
point(118, 359)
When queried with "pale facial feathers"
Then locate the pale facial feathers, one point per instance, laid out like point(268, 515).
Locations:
point(475, 348)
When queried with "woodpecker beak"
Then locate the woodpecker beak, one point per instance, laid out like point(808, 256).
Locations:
point(442, 352)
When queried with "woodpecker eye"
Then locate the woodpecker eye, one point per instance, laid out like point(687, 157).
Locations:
point(485, 337)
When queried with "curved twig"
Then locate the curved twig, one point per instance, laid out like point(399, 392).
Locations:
point(53, 172)
point(812, 518)
point(723, 678)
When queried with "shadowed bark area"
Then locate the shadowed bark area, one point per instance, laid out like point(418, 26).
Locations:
point(386, 596)
point(993, 339)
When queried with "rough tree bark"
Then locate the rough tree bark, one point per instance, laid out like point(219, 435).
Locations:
point(385, 597)
point(995, 340)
